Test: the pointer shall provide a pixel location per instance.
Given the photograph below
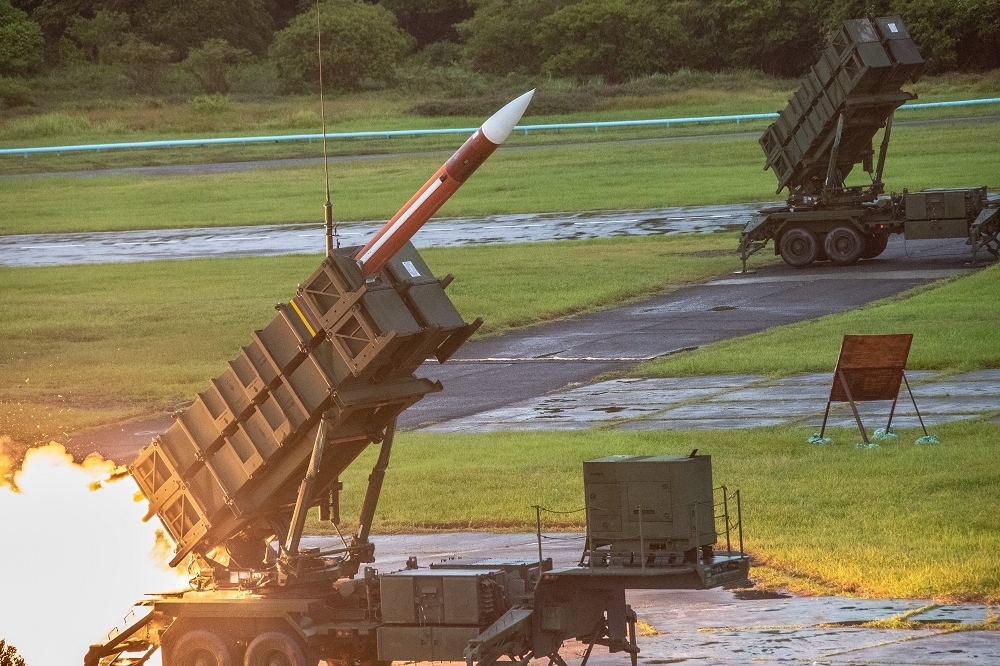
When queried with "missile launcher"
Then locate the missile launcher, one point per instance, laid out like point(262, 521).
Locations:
point(233, 477)
point(827, 129)
point(345, 348)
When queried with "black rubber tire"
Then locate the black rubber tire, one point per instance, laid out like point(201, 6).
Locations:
point(200, 648)
point(844, 246)
point(276, 648)
point(798, 247)
point(875, 244)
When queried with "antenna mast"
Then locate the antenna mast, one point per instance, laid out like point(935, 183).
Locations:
point(330, 230)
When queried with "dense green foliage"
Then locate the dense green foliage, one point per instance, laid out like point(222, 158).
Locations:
point(211, 62)
point(361, 45)
point(429, 21)
point(614, 39)
point(376, 43)
point(21, 42)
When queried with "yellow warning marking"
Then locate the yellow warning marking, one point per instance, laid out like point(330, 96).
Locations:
point(645, 629)
point(302, 317)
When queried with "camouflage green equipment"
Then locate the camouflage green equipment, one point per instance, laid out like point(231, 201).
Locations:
point(344, 349)
point(652, 524)
point(234, 476)
point(826, 130)
point(844, 99)
point(661, 506)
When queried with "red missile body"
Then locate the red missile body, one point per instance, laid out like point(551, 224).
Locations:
point(476, 149)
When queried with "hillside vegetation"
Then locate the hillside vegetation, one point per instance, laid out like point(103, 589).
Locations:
point(461, 54)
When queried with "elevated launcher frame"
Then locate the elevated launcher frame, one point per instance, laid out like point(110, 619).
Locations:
point(826, 130)
point(324, 380)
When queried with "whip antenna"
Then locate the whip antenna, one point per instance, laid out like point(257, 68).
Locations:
point(330, 229)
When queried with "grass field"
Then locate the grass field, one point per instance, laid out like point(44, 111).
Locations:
point(97, 343)
point(84, 119)
point(629, 175)
point(901, 521)
point(954, 327)
point(579, 177)
point(85, 344)
point(110, 121)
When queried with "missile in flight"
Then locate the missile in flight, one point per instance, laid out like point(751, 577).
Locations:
point(397, 231)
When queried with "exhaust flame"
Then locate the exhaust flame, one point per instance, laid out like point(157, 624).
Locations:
point(75, 553)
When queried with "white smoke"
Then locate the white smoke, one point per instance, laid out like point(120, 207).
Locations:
point(74, 555)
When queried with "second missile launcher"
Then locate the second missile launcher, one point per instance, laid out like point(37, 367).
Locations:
point(826, 130)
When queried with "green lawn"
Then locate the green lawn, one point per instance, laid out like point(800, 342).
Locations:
point(103, 121)
point(85, 344)
point(97, 343)
point(953, 325)
point(57, 121)
point(605, 176)
point(577, 177)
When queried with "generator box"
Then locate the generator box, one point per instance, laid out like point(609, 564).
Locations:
point(441, 596)
point(941, 213)
point(415, 644)
point(650, 503)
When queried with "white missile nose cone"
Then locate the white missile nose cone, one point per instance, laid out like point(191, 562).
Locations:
point(499, 126)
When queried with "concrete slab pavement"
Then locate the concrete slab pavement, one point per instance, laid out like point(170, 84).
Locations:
point(735, 402)
point(511, 371)
point(737, 627)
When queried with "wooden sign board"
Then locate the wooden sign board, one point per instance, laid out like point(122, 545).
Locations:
point(871, 366)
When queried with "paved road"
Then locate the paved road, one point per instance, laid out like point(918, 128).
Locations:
point(496, 373)
point(725, 628)
point(731, 402)
point(531, 365)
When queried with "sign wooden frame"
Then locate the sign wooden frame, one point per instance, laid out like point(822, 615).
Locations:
point(871, 367)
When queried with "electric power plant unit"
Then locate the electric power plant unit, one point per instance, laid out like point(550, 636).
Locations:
point(826, 130)
point(941, 213)
point(658, 505)
point(433, 614)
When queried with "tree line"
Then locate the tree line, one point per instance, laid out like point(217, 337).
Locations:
point(367, 42)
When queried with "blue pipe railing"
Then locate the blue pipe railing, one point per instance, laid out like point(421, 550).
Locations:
point(386, 134)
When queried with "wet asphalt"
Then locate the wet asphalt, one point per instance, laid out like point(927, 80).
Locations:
point(546, 363)
point(285, 239)
point(736, 627)
point(735, 402)
point(499, 381)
